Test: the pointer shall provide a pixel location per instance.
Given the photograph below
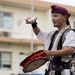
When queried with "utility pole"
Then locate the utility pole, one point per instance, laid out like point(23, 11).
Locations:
point(32, 15)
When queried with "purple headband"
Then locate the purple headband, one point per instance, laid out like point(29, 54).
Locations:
point(61, 10)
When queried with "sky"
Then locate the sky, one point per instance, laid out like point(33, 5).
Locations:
point(64, 2)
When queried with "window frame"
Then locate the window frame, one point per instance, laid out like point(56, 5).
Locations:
point(1, 20)
point(1, 60)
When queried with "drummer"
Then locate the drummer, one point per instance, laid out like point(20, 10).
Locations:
point(60, 19)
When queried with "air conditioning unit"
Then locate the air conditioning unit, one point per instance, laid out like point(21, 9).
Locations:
point(5, 34)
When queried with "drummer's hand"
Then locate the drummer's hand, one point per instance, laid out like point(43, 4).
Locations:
point(26, 19)
point(73, 62)
point(47, 53)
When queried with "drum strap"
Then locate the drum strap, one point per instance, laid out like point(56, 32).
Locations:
point(52, 39)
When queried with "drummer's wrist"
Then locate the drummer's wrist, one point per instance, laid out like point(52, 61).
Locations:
point(34, 25)
point(53, 53)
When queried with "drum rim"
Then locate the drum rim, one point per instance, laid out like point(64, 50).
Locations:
point(24, 69)
point(30, 56)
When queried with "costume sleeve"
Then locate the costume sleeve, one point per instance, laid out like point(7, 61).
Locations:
point(70, 39)
point(42, 35)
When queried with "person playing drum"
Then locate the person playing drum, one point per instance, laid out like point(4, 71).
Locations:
point(59, 57)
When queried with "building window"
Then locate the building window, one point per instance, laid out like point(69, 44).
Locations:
point(5, 20)
point(5, 60)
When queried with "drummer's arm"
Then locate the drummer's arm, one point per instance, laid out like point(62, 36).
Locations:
point(62, 52)
point(36, 30)
point(73, 62)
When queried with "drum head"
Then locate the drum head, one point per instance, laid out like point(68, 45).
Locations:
point(34, 64)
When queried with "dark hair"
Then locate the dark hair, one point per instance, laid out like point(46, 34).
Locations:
point(67, 22)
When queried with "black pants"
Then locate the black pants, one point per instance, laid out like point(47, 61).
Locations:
point(71, 73)
point(57, 72)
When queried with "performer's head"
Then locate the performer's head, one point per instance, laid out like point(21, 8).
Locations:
point(60, 15)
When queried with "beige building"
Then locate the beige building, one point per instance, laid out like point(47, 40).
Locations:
point(16, 36)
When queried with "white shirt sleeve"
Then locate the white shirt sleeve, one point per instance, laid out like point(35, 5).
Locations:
point(70, 39)
point(45, 37)
point(42, 35)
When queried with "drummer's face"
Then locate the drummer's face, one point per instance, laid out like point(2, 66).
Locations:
point(58, 19)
